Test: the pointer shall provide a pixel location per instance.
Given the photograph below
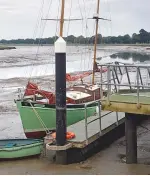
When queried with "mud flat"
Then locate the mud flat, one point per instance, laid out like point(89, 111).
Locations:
point(7, 47)
point(142, 49)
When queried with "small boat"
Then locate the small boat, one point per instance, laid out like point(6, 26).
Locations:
point(20, 148)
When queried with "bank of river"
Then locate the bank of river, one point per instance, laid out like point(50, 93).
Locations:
point(7, 47)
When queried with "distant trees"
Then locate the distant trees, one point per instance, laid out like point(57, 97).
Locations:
point(142, 37)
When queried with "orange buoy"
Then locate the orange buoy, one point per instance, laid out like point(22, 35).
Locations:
point(69, 135)
point(53, 135)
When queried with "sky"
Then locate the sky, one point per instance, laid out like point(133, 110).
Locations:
point(22, 18)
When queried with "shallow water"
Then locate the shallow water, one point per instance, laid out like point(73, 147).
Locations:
point(29, 61)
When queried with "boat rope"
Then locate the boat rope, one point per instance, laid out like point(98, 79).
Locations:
point(39, 118)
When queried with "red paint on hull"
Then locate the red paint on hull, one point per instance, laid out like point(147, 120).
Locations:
point(37, 134)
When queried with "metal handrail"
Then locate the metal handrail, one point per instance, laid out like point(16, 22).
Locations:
point(99, 118)
point(135, 66)
point(139, 83)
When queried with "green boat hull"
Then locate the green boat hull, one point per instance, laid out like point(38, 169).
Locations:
point(22, 151)
point(31, 117)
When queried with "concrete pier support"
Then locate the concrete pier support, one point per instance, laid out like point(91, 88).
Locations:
point(61, 157)
point(131, 138)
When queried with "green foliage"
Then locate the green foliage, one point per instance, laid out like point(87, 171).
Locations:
point(142, 37)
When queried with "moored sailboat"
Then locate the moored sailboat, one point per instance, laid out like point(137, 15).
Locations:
point(37, 107)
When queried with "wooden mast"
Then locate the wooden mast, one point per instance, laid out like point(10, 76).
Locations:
point(96, 37)
point(62, 18)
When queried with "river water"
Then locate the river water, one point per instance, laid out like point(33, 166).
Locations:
point(16, 66)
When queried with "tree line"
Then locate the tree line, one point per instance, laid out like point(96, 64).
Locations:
point(142, 37)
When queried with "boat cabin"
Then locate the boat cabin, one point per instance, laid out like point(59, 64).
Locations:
point(92, 90)
point(77, 97)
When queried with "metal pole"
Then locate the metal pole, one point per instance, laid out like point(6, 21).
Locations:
point(60, 69)
point(148, 72)
point(131, 138)
point(101, 81)
point(99, 115)
point(108, 80)
point(117, 118)
point(86, 131)
point(128, 77)
point(116, 75)
point(114, 79)
point(137, 86)
point(140, 77)
point(117, 63)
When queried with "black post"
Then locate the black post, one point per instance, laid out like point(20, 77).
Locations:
point(131, 138)
point(60, 72)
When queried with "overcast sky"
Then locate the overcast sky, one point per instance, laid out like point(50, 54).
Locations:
point(18, 18)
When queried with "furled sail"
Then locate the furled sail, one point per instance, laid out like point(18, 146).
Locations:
point(84, 74)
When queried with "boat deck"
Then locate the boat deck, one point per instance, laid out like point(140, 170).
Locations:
point(128, 102)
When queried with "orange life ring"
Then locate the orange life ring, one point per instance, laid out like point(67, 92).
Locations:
point(69, 135)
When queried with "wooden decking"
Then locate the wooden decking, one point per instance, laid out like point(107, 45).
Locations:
point(127, 102)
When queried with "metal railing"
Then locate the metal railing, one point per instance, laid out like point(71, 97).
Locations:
point(99, 118)
point(138, 85)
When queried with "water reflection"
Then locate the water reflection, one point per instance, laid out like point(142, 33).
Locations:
point(134, 56)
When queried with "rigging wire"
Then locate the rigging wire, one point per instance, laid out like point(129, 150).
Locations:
point(69, 20)
point(85, 30)
point(41, 35)
point(88, 43)
point(36, 26)
point(82, 33)
point(55, 37)
point(68, 27)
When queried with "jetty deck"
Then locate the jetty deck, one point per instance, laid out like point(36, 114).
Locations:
point(130, 91)
point(128, 102)
point(109, 121)
point(124, 89)
point(91, 129)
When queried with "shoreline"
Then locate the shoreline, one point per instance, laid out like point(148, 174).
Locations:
point(74, 44)
point(7, 47)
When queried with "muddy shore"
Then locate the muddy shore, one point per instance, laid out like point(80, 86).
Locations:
point(7, 47)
